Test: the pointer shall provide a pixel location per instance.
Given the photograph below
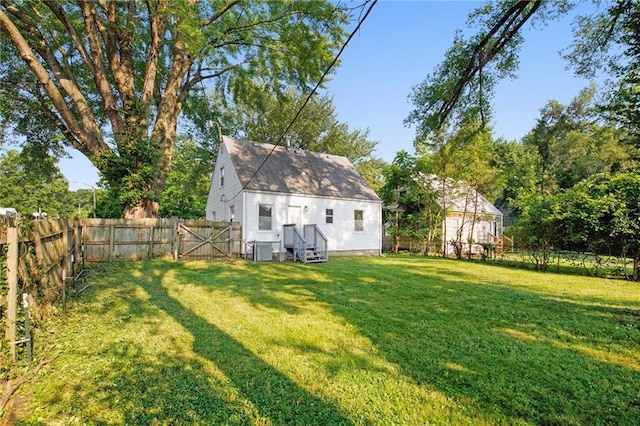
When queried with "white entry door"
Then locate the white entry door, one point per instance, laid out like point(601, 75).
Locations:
point(294, 216)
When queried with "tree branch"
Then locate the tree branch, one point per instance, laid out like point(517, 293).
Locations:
point(64, 19)
point(13, 385)
point(219, 13)
point(475, 64)
point(156, 27)
point(89, 133)
point(100, 76)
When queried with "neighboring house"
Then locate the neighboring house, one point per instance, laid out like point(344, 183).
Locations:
point(281, 195)
point(9, 211)
point(469, 212)
point(470, 217)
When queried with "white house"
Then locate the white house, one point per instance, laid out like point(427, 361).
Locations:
point(471, 218)
point(279, 193)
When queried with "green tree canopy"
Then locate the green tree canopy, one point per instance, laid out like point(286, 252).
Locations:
point(606, 40)
point(185, 194)
point(572, 143)
point(412, 201)
point(33, 184)
point(111, 78)
point(602, 215)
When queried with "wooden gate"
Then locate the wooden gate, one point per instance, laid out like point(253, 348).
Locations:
point(207, 240)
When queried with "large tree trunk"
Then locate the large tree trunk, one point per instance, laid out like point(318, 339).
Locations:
point(144, 209)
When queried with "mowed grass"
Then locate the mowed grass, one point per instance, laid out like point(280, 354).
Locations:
point(391, 340)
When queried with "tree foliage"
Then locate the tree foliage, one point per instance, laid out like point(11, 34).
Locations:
point(460, 89)
point(187, 188)
point(600, 215)
point(412, 201)
point(569, 143)
point(111, 78)
point(572, 143)
point(34, 184)
point(607, 40)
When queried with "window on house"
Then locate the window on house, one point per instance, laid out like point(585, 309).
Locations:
point(358, 220)
point(232, 214)
point(222, 176)
point(329, 215)
point(264, 217)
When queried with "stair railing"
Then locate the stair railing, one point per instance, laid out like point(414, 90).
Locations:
point(294, 240)
point(317, 240)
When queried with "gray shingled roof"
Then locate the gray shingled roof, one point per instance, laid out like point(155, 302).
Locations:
point(294, 171)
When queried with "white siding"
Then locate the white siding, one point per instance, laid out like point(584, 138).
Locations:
point(481, 229)
point(220, 198)
point(340, 234)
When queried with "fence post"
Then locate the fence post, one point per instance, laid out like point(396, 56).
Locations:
point(176, 238)
point(12, 279)
point(112, 236)
point(152, 236)
point(213, 233)
point(76, 239)
point(66, 262)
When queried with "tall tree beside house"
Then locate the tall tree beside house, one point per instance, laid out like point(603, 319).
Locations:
point(398, 195)
point(111, 78)
point(517, 173)
point(473, 147)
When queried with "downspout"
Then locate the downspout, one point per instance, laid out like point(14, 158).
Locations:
point(244, 222)
point(380, 229)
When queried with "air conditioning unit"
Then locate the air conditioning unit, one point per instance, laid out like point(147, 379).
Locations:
point(264, 252)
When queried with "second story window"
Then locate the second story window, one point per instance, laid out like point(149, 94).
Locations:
point(222, 176)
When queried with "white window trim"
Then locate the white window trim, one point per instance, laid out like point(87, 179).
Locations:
point(327, 216)
point(356, 221)
point(270, 217)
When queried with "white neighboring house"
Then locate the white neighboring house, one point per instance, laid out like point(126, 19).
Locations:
point(275, 191)
point(462, 204)
point(9, 212)
point(470, 217)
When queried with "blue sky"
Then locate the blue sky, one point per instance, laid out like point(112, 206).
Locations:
point(397, 46)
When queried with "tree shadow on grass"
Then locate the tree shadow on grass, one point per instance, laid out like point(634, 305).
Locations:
point(142, 385)
point(275, 397)
point(165, 390)
point(515, 354)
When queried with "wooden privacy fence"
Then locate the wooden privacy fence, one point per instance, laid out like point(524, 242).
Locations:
point(39, 256)
point(137, 239)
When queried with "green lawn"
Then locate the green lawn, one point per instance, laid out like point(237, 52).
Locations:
point(393, 340)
